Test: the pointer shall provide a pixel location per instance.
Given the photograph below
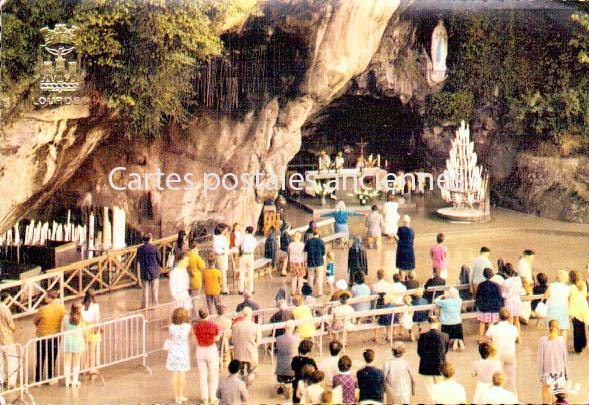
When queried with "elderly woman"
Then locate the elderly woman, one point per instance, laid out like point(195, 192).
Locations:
point(341, 216)
point(557, 302)
point(578, 310)
point(450, 317)
point(357, 262)
point(488, 302)
point(405, 260)
point(286, 350)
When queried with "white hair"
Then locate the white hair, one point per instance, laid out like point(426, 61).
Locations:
point(341, 206)
point(406, 219)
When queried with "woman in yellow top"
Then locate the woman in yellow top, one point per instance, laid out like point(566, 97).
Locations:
point(303, 312)
point(578, 310)
point(196, 265)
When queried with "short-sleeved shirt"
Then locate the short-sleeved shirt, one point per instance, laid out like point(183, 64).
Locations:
point(205, 333)
point(439, 253)
point(211, 278)
point(503, 335)
point(50, 317)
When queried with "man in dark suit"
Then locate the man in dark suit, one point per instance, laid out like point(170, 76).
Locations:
point(149, 259)
point(431, 348)
point(370, 380)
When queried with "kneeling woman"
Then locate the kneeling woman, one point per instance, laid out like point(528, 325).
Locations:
point(450, 316)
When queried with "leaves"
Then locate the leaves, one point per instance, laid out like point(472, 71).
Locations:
point(138, 54)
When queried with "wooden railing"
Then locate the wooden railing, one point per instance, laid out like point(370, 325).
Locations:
point(111, 271)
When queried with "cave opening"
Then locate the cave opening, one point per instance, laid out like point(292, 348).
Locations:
point(387, 126)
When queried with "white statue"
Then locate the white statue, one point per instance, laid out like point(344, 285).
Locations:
point(439, 52)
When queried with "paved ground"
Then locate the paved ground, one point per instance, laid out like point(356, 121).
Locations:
point(558, 245)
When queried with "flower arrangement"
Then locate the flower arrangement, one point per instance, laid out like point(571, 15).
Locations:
point(366, 195)
point(323, 190)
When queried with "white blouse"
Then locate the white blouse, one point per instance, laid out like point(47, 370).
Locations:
point(92, 315)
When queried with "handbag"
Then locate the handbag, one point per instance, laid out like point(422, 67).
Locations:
point(541, 310)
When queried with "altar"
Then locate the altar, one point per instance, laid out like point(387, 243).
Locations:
point(345, 180)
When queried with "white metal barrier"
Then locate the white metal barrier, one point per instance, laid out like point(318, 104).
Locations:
point(12, 373)
point(116, 341)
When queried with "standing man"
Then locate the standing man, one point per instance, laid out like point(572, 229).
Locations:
point(315, 249)
point(524, 266)
point(374, 223)
point(504, 336)
point(48, 322)
point(221, 250)
point(246, 336)
point(370, 380)
point(150, 261)
point(207, 356)
point(432, 347)
point(9, 354)
point(246, 261)
point(448, 391)
point(478, 267)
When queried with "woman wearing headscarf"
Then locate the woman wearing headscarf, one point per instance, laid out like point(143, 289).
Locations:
point(357, 262)
point(310, 231)
point(271, 247)
point(405, 260)
point(450, 309)
point(341, 216)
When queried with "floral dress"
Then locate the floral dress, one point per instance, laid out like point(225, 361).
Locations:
point(178, 348)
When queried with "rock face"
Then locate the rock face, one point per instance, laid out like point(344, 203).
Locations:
point(547, 186)
point(342, 38)
point(40, 152)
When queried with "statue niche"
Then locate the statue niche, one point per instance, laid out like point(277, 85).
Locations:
point(436, 66)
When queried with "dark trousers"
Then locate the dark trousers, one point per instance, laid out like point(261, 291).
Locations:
point(213, 302)
point(46, 350)
point(579, 335)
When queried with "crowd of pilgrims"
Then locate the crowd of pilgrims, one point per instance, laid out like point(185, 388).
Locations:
point(301, 378)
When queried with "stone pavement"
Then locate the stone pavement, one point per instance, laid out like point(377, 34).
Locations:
point(557, 245)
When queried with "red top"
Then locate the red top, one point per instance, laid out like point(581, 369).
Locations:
point(205, 332)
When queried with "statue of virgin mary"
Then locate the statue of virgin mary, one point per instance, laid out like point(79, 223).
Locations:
point(439, 52)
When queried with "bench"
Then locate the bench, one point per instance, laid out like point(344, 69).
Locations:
point(262, 266)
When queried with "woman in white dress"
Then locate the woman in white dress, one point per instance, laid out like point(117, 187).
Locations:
point(391, 216)
point(180, 284)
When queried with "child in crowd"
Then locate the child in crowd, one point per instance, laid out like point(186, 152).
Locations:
point(399, 382)
point(232, 390)
point(308, 298)
point(297, 365)
point(178, 347)
point(484, 369)
point(330, 271)
point(307, 373)
point(439, 253)
point(212, 279)
point(73, 345)
point(314, 388)
point(346, 380)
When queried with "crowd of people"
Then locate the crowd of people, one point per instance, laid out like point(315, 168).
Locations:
point(310, 265)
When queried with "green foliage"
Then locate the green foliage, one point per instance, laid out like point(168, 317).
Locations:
point(139, 55)
point(523, 64)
